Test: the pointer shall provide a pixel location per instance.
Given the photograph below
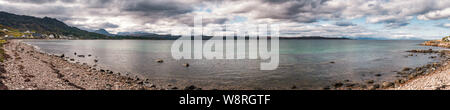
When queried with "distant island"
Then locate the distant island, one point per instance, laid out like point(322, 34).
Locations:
point(315, 38)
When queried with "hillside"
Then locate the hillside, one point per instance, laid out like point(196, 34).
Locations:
point(44, 25)
point(103, 31)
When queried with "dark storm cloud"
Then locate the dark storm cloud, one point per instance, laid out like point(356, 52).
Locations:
point(41, 1)
point(303, 11)
point(189, 20)
point(146, 14)
point(163, 8)
point(109, 25)
point(33, 1)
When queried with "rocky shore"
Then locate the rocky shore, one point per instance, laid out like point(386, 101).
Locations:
point(25, 68)
point(433, 76)
point(436, 80)
point(29, 69)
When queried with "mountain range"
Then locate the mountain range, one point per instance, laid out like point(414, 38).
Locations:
point(49, 25)
point(103, 31)
point(45, 25)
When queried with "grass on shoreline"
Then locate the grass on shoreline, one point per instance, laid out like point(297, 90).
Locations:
point(2, 51)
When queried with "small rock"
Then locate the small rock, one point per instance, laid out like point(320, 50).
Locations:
point(373, 87)
point(406, 69)
point(186, 65)
point(377, 75)
point(370, 81)
point(81, 56)
point(363, 86)
point(294, 87)
point(350, 85)
point(192, 87)
point(387, 84)
point(412, 76)
point(160, 61)
point(400, 81)
point(338, 84)
point(332, 62)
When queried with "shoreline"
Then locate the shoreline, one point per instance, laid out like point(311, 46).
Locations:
point(29, 69)
point(436, 80)
point(405, 76)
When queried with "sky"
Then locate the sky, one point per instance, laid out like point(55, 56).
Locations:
point(391, 19)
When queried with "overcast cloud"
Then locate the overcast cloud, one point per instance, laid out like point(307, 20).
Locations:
point(330, 18)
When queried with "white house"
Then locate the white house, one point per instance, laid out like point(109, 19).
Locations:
point(28, 32)
point(51, 36)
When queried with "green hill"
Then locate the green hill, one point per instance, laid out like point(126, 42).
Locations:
point(45, 25)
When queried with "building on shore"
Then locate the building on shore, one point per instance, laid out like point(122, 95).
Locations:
point(28, 32)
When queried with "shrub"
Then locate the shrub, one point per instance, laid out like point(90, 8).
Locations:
point(446, 39)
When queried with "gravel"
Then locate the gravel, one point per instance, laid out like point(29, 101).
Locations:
point(28, 69)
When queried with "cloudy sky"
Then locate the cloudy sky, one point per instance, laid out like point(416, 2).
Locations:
point(427, 19)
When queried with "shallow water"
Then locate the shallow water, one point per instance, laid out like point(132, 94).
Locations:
point(303, 63)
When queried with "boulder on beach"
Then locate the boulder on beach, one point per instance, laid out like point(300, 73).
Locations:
point(374, 87)
point(192, 87)
point(370, 81)
point(406, 69)
point(338, 84)
point(186, 65)
point(378, 75)
point(160, 61)
point(387, 84)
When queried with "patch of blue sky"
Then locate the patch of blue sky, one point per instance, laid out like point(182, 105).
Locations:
point(238, 19)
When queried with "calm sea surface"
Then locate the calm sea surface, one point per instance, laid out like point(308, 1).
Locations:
point(303, 63)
